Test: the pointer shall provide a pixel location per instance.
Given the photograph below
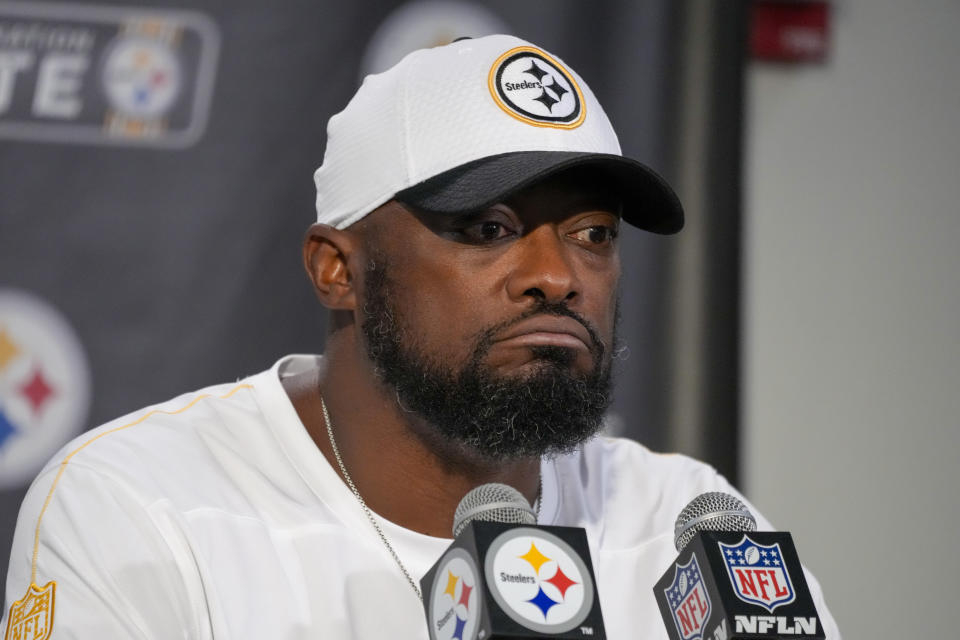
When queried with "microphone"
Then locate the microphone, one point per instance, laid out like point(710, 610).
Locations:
point(732, 582)
point(504, 576)
point(492, 502)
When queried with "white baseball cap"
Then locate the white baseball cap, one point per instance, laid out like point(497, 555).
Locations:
point(459, 127)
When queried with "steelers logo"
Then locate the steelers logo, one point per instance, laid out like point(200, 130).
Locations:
point(539, 580)
point(44, 385)
point(534, 88)
point(141, 77)
point(455, 600)
point(422, 24)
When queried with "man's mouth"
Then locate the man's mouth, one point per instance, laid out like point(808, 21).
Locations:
point(547, 331)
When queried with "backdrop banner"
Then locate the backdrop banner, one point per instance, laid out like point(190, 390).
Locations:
point(156, 164)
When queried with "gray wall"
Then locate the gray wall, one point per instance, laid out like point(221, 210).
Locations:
point(852, 313)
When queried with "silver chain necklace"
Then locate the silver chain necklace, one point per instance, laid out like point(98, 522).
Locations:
point(366, 509)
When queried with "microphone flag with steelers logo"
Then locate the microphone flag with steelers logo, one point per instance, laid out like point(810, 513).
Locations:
point(500, 580)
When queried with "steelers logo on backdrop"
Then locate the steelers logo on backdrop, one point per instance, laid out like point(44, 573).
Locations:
point(455, 600)
point(106, 75)
point(421, 24)
point(44, 385)
point(141, 77)
point(534, 88)
point(539, 580)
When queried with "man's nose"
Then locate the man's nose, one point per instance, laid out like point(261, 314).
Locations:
point(544, 268)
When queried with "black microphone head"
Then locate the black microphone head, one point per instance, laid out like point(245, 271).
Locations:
point(714, 511)
point(492, 502)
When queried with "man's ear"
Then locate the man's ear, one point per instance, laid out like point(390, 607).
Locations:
point(328, 256)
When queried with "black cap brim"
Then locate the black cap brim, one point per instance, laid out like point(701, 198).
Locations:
point(648, 201)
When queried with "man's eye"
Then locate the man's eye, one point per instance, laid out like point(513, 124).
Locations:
point(599, 234)
point(486, 231)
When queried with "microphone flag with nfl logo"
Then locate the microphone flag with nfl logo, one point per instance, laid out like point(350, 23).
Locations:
point(732, 585)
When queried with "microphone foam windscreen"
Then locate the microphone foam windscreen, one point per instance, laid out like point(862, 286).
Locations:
point(492, 502)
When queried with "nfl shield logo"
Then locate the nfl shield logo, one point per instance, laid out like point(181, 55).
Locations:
point(31, 617)
point(689, 601)
point(758, 573)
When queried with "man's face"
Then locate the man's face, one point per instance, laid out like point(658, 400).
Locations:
point(496, 328)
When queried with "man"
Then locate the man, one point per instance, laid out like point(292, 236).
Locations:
point(468, 210)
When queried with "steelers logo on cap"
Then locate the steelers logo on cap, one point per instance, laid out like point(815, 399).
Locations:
point(534, 88)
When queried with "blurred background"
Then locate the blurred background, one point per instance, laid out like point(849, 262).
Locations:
point(801, 333)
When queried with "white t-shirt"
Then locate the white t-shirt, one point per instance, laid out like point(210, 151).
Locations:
point(214, 515)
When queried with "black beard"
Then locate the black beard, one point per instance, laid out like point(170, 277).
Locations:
point(497, 418)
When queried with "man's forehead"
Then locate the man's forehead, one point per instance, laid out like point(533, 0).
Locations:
point(554, 199)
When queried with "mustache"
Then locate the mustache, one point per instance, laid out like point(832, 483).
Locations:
point(485, 338)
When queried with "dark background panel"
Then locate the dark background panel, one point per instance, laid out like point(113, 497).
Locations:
point(180, 268)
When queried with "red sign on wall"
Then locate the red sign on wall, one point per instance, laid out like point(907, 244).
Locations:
point(789, 30)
